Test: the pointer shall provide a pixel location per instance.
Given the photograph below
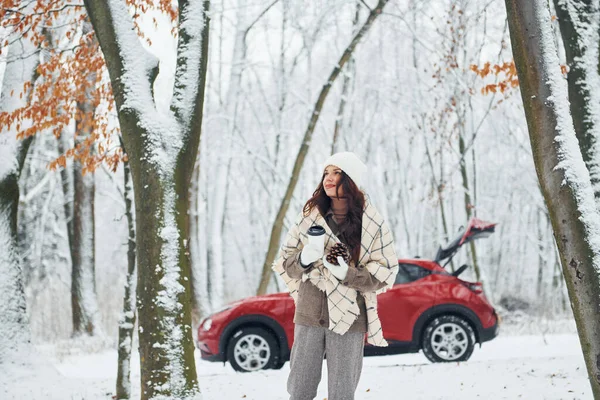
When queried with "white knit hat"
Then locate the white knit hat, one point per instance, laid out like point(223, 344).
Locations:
point(350, 164)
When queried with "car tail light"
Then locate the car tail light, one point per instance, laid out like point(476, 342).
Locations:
point(476, 287)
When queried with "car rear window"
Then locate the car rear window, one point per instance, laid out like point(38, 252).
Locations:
point(410, 272)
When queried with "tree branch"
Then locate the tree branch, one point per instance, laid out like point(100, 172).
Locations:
point(190, 78)
point(126, 59)
point(259, 17)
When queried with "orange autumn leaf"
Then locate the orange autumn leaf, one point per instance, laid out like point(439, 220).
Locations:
point(62, 78)
point(506, 74)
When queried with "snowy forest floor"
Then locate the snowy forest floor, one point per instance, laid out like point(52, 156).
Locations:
point(512, 366)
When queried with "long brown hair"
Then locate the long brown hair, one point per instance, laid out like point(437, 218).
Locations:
point(351, 234)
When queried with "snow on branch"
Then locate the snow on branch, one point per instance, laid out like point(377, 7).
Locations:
point(137, 63)
point(133, 71)
point(187, 87)
point(12, 97)
point(569, 154)
point(586, 19)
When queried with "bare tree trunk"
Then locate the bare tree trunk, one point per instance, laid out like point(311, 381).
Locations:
point(339, 121)
point(565, 182)
point(467, 193)
point(66, 176)
point(14, 328)
point(78, 194)
point(348, 75)
point(84, 301)
point(83, 278)
point(128, 316)
point(162, 151)
point(197, 253)
point(439, 189)
point(559, 281)
point(541, 259)
point(283, 208)
point(579, 21)
point(474, 190)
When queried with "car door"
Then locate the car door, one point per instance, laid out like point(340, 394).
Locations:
point(399, 307)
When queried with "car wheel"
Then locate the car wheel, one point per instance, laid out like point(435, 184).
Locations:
point(448, 338)
point(279, 364)
point(252, 349)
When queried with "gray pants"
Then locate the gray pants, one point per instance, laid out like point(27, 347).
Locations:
point(344, 363)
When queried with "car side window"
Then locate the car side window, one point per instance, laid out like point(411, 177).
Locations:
point(402, 276)
point(409, 273)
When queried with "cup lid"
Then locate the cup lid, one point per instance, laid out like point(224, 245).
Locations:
point(316, 230)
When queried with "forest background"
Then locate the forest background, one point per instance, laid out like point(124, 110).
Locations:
point(429, 101)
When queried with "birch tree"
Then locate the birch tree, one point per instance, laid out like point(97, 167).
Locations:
point(561, 170)
point(162, 146)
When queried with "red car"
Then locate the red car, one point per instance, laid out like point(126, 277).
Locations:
point(427, 309)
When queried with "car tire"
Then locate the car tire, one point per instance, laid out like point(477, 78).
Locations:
point(279, 364)
point(252, 349)
point(448, 338)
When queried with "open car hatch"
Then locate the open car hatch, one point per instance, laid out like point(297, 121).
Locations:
point(476, 229)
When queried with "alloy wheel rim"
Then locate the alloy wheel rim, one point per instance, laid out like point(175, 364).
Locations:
point(252, 352)
point(449, 341)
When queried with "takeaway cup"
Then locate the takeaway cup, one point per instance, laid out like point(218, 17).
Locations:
point(316, 237)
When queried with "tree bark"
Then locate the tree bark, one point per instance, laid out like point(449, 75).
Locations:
point(197, 252)
point(439, 187)
point(127, 320)
point(579, 21)
point(84, 301)
point(162, 150)
point(467, 194)
point(86, 318)
point(539, 288)
point(561, 171)
point(66, 176)
point(285, 203)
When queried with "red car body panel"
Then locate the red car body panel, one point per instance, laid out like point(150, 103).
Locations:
point(400, 307)
point(448, 291)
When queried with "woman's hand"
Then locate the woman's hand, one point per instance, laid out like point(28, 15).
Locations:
point(310, 254)
point(339, 271)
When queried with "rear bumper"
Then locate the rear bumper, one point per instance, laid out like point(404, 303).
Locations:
point(488, 334)
point(393, 347)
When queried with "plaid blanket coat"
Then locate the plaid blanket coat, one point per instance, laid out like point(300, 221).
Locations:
point(377, 254)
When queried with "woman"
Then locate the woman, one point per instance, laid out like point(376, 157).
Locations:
point(335, 286)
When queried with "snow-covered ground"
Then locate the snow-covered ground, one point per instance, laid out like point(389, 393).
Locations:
point(509, 367)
